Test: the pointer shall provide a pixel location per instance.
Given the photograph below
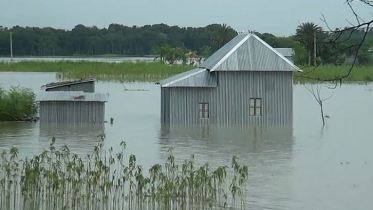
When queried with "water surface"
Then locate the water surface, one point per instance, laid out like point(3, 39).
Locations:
point(305, 167)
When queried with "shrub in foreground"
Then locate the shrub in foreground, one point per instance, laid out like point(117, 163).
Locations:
point(17, 102)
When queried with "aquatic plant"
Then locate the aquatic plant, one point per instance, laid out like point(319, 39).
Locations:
point(141, 71)
point(124, 71)
point(60, 179)
point(17, 102)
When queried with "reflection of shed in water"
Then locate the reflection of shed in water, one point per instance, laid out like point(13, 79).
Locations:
point(229, 139)
point(85, 85)
point(72, 108)
point(267, 151)
point(80, 139)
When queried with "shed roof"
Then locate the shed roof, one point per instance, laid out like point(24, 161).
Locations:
point(66, 83)
point(285, 51)
point(72, 96)
point(193, 78)
point(247, 52)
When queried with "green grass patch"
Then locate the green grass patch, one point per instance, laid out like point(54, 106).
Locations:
point(124, 71)
point(312, 74)
point(16, 102)
point(155, 71)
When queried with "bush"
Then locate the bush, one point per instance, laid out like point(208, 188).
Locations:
point(17, 102)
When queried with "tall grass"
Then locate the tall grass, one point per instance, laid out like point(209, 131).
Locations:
point(125, 71)
point(312, 74)
point(17, 102)
point(155, 71)
point(59, 179)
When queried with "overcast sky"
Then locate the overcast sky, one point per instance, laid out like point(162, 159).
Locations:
point(279, 17)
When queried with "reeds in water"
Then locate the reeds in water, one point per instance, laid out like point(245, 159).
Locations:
point(59, 179)
point(139, 71)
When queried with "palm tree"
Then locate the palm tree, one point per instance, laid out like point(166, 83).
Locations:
point(305, 33)
point(223, 35)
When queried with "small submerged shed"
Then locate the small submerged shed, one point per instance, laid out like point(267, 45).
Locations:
point(246, 82)
point(85, 85)
point(287, 53)
point(72, 107)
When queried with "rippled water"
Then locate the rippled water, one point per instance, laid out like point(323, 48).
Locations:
point(304, 167)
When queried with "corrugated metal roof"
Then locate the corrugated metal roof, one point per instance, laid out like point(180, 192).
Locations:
point(247, 52)
point(65, 83)
point(72, 96)
point(285, 51)
point(194, 78)
point(211, 61)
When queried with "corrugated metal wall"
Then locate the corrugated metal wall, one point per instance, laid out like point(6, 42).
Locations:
point(88, 87)
point(184, 105)
point(229, 102)
point(165, 105)
point(71, 112)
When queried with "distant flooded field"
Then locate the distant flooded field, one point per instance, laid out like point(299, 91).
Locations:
point(77, 58)
point(304, 167)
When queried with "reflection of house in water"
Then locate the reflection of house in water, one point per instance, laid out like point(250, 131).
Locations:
point(80, 139)
point(253, 139)
point(246, 82)
point(85, 85)
point(73, 108)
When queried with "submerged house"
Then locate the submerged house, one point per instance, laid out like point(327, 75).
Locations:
point(287, 53)
point(246, 82)
point(85, 85)
point(72, 108)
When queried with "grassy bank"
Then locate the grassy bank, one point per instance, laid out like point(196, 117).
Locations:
point(16, 102)
point(59, 179)
point(155, 71)
point(311, 74)
point(125, 71)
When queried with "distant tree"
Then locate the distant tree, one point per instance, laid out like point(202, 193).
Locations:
point(205, 51)
point(300, 53)
point(223, 35)
point(159, 39)
point(305, 33)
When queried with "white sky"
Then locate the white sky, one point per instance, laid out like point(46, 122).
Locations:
point(279, 17)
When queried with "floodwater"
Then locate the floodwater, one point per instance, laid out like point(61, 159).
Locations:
point(305, 167)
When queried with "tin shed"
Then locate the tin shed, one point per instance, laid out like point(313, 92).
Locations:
point(287, 53)
point(85, 85)
point(246, 82)
point(72, 108)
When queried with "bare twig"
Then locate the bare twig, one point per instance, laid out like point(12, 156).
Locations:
point(317, 95)
point(335, 39)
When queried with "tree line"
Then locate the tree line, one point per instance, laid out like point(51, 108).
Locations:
point(171, 42)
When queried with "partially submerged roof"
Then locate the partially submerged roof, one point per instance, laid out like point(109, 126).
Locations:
point(247, 52)
point(287, 52)
point(66, 83)
point(193, 78)
point(72, 96)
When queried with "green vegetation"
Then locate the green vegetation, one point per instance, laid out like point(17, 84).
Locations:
point(60, 179)
point(332, 47)
point(125, 71)
point(16, 102)
point(330, 72)
point(155, 71)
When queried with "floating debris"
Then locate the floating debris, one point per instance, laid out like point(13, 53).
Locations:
point(126, 89)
